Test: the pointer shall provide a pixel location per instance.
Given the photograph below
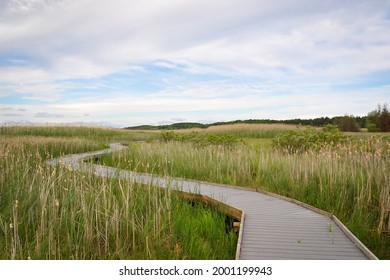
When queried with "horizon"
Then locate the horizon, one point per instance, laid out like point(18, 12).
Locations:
point(128, 64)
point(108, 125)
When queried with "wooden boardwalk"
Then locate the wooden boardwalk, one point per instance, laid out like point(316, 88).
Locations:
point(272, 227)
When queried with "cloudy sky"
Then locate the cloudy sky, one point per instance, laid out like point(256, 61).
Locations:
point(130, 62)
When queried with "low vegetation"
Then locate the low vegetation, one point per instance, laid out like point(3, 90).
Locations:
point(303, 140)
point(200, 139)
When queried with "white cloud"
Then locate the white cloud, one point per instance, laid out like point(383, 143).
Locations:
point(19, 74)
point(33, 83)
point(103, 37)
point(47, 115)
point(251, 51)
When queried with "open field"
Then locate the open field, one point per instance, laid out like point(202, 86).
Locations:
point(349, 179)
point(259, 131)
point(243, 126)
point(55, 213)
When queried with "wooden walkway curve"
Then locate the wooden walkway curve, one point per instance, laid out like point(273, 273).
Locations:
point(272, 227)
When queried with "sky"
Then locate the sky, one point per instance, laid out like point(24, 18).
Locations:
point(132, 62)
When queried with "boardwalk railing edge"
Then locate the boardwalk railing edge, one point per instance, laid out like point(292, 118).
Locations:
point(354, 239)
point(240, 233)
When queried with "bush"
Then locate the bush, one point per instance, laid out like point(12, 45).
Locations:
point(167, 136)
point(299, 141)
point(348, 123)
point(201, 139)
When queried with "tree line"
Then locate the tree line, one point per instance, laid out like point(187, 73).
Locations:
point(377, 120)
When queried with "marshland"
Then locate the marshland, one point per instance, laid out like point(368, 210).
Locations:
point(51, 212)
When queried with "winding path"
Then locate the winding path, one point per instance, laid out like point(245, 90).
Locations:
point(272, 227)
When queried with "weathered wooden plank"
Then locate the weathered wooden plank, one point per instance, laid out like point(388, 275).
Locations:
point(212, 203)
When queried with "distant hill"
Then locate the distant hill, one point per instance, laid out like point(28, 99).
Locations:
point(185, 125)
point(182, 125)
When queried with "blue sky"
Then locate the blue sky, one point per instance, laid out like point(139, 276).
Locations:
point(125, 63)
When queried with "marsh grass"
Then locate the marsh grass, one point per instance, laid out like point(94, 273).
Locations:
point(55, 213)
point(349, 180)
point(260, 131)
point(95, 134)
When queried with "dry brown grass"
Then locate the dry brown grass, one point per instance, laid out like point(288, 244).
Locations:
point(229, 127)
point(259, 126)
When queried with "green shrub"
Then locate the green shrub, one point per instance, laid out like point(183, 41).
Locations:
point(201, 139)
point(299, 141)
point(347, 123)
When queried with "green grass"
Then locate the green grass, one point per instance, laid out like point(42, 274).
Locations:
point(349, 180)
point(55, 213)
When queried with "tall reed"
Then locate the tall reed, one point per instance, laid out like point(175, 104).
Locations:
point(350, 180)
point(56, 213)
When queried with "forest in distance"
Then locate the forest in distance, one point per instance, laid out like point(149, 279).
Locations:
point(377, 120)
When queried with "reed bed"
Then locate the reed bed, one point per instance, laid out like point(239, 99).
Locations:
point(261, 131)
point(96, 134)
point(350, 180)
point(55, 213)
